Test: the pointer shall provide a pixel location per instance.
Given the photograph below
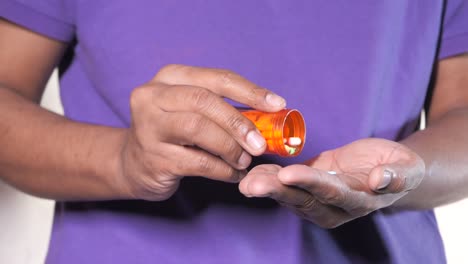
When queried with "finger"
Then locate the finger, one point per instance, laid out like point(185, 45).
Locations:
point(262, 181)
point(224, 83)
point(328, 188)
point(324, 216)
point(396, 177)
point(195, 162)
point(206, 103)
point(403, 172)
point(309, 207)
point(191, 129)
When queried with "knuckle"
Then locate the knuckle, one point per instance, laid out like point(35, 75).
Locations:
point(309, 203)
point(139, 96)
point(226, 78)
point(202, 99)
point(231, 149)
point(254, 93)
point(231, 146)
point(238, 124)
point(167, 70)
point(203, 164)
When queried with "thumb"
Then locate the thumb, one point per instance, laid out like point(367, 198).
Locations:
point(389, 178)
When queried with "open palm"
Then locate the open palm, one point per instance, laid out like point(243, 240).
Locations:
point(354, 164)
point(341, 184)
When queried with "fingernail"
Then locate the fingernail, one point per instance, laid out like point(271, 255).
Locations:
point(386, 179)
point(244, 160)
point(255, 140)
point(275, 100)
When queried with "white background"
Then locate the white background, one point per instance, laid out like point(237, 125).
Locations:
point(25, 221)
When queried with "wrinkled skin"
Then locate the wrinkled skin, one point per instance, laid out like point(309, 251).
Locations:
point(359, 187)
point(181, 126)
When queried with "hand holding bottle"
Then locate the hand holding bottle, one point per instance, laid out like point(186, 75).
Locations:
point(181, 126)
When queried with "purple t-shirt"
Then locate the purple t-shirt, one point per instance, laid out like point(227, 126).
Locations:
point(355, 69)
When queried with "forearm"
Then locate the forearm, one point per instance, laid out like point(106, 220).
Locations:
point(444, 148)
point(49, 156)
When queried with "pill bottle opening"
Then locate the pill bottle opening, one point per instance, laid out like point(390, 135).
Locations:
point(293, 133)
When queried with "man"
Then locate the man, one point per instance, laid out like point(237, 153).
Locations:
point(359, 72)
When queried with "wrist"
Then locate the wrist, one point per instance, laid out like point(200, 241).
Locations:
point(115, 176)
point(413, 199)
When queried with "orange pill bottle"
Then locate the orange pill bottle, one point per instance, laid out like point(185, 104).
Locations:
point(280, 129)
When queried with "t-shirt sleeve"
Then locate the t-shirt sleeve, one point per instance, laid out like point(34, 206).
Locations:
point(455, 29)
point(51, 18)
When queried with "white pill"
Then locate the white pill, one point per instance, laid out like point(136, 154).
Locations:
point(294, 141)
point(331, 172)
